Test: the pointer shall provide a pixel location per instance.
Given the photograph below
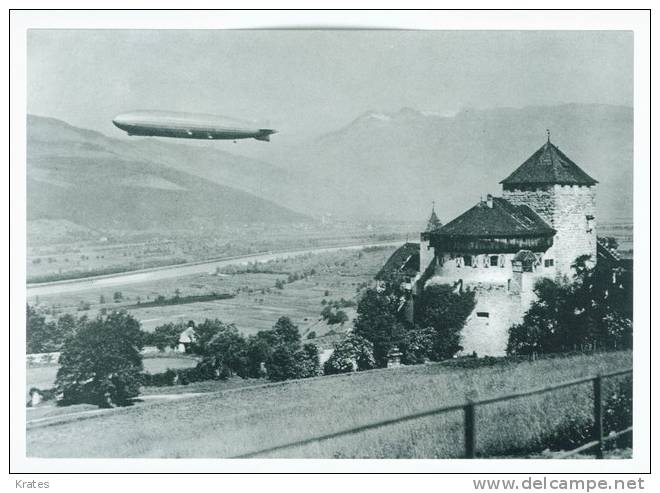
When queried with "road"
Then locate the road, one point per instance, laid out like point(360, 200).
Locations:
point(180, 270)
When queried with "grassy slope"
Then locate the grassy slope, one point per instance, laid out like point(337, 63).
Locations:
point(224, 425)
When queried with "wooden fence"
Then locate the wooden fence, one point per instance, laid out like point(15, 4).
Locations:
point(470, 428)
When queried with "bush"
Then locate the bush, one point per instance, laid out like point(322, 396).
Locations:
point(101, 364)
point(333, 317)
point(416, 345)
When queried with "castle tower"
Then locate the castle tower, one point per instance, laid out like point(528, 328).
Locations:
point(564, 196)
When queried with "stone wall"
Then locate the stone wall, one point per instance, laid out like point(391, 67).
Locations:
point(505, 303)
point(573, 205)
point(541, 200)
point(488, 336)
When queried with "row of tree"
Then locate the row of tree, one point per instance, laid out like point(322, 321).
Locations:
point(381, 326)
point(277, 354)
point(101, 360)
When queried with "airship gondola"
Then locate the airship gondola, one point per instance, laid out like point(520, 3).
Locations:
point(188, 126)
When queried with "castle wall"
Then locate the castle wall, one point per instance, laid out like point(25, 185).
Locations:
point(488, 335)
point(575, 234)
point(502, 294)
point(565, 208)
point(426, 254)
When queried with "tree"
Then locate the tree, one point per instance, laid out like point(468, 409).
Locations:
point(259, 350)
point(286, 332)
point(41, 335)
point(101, 363)
point(223, 348)
point(351, 354)
point(165, 336)
point(283, 363)
point(444, 310)
point(117, 296)
point(227, 350)
point(308, 359)
point(378, 321)
point(66, 327)
point(550, 324)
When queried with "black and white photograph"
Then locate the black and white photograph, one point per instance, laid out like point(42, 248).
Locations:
point(302, 243)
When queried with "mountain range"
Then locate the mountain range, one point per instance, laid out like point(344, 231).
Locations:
point(393, 165)
point(86, 178)
point(381, 166)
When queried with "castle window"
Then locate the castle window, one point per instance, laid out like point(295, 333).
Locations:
point(590, 223)
point(494, 260)
point(483, 314)
point(549, 262)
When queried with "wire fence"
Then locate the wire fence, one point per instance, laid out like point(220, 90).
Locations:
point(470, 433)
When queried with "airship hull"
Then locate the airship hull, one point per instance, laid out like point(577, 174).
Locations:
point(187, 126)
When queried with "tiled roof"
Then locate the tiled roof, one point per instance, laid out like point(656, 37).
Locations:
point(549, 165)
point(605, 253)
point(403, 262)
point(524, 256)
point(503, 219)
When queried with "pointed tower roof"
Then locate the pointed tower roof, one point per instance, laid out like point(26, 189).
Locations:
point(549, 165)
point(433, 223)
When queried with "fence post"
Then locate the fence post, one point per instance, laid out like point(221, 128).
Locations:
point(598, 415)
point(470, 431)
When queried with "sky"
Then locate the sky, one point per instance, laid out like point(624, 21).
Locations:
point(305, 82)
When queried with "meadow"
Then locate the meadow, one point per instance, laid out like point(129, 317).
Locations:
point(233, 422)
point(305, 282)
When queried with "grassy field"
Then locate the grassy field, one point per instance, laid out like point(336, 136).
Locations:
point(233, 422)
point(257, 304)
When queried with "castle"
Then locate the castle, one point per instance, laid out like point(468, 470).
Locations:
point(543, 221)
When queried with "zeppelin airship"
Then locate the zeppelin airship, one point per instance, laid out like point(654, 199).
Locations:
point(188, 126)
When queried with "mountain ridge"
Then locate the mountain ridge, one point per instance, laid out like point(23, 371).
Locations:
point(85, 177)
